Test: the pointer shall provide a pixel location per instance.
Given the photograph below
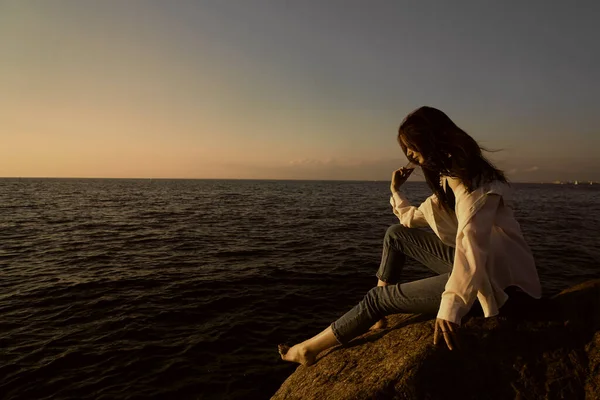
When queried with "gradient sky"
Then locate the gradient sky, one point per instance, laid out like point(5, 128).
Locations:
point(292, 89)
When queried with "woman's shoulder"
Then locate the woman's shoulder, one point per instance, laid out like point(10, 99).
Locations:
point(481, 189)
point(469, 203)
point(496, 186)
point(485, 185)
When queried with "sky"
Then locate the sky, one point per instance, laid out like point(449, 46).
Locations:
point(275, 89)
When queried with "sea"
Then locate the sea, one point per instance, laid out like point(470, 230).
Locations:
point(182, 289)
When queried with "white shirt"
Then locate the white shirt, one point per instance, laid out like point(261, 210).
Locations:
point(490, 251)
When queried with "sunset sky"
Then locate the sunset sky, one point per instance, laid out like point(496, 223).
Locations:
point(292, 89)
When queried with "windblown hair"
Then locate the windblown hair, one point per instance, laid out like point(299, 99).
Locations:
point(448, 151)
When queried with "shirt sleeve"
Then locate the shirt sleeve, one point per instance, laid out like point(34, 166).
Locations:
point(469, 270)
point(409, 216)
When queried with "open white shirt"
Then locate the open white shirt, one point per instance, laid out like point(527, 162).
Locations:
point(490, 251)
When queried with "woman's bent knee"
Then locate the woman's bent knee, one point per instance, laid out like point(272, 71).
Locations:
point(395, 230)
point(395, 234)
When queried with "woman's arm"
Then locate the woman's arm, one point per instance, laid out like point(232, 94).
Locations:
point(469, 269)
point(409, 216)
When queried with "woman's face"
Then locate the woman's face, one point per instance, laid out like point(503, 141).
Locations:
point(412, 154)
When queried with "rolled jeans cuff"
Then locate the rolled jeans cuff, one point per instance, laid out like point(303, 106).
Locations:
point(336, 334)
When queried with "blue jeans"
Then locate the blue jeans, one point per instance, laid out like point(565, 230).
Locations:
point(422, 296)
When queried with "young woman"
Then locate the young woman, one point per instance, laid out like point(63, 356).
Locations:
point(476, 248)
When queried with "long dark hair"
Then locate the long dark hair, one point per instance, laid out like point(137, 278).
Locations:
point(447, 151)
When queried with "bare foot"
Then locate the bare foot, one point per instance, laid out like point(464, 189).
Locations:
point(298, 354)
point(381, 324)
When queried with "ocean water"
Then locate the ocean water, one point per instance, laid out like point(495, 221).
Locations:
point(126, 289)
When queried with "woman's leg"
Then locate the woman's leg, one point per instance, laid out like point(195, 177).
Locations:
point(417, 297)
point(418, 244)
point(421, 296)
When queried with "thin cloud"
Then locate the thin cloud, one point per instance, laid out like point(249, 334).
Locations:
point(306, 162)
point(331, 162)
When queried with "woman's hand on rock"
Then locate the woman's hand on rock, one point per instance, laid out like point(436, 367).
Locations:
point(399, 176)
point(449, 331)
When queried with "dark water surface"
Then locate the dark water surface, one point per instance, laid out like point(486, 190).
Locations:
point(183, 288)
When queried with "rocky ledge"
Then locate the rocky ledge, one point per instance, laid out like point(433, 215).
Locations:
point(545, 349)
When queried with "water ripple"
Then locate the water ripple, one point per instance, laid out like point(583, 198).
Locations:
point(181, 289)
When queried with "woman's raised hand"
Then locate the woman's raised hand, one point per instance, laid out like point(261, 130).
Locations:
point(400, 176)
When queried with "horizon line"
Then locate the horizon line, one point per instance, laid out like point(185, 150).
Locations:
point(266, 179)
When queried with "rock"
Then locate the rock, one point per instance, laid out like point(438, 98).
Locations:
point(543, 349)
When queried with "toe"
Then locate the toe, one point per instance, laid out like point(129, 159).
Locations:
point(283, 349)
